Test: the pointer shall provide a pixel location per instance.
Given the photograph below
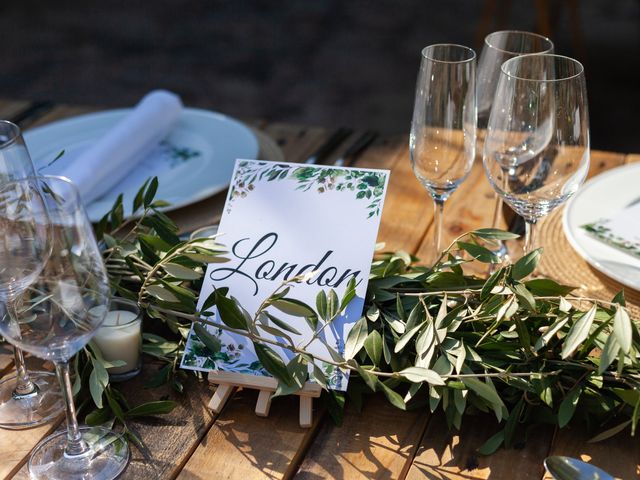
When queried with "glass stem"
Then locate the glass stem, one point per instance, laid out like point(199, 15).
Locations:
point(438, 214)
point(497, 213)
point(75, 444)
point(531, 229)
point(25, 388)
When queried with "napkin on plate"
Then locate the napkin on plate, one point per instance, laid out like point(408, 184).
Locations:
point(106, 163)
point(621, 231)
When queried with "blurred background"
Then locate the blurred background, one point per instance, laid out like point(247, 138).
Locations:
point(320, 62)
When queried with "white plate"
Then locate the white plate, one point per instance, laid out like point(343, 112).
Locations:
point(599, 198)
point(194, 162)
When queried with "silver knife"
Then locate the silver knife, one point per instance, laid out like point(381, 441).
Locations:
point(328, 146)
point(356, 148)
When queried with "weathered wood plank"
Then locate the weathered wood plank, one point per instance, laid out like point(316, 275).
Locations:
point(408, 210)
point(62, 111)
point(453, 455)
point(16, 446)
point(242, 445)
point(631, 158)
point(9, 108)
point(169, 440)
point(376, 443)
point(619, 455)
point(6, 357)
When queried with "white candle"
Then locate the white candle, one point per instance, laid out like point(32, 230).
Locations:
point(119, 338)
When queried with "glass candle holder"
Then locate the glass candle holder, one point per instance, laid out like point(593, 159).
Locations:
point(120, 338)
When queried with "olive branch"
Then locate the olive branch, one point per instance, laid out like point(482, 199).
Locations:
point(525, 349)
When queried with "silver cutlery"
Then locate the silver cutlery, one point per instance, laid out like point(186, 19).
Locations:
point(329, 145)
point(567, 468)
point(352, 153)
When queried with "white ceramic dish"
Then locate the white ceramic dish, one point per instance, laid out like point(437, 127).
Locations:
point(194, 162)
point(601, 197)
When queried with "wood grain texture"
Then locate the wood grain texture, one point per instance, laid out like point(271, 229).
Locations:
point(453, 455)
point(9, 108)
point(16, 446)
point(242, 445)
point(170, 439)
point(408, 210)
point(619, 455)
point(631, 158)
point(6, 358)
point(377, 443)
point(61, 111)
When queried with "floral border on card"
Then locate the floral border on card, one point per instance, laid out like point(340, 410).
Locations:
point(366, 184)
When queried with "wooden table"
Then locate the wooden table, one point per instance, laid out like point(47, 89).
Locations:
point(380, 442)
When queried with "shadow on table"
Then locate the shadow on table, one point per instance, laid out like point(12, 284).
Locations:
point(375, 443)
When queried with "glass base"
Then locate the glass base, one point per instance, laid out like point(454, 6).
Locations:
point(121, 377)
point(42, 407)
point(106, 458)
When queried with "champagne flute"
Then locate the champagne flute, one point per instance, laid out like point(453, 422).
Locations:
point(443, 130)
point(26, 399)
point(498, 48)
point(536, 152)
point(57, 315)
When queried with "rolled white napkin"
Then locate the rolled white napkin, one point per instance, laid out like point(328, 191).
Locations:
point(106, 163)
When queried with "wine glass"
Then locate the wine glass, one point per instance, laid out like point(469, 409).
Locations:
point(498, 48)
point(26, 399)
point(443, 130)
point(536, 152)
point(56, 316)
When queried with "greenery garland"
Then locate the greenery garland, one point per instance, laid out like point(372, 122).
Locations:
point(431, 337)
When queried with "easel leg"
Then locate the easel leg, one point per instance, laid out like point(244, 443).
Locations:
point(264, 403)
point(306, 411)
point(220, 397)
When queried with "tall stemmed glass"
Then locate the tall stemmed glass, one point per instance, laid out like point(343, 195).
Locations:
point(536, 153)
point(56, 316)
point(498, 48)
point(443, 129)
point(26, 399)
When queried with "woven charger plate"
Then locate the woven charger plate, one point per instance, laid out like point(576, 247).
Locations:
point(562, 263)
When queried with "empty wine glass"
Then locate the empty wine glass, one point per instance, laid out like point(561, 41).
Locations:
point(443, 129)
point(536, 152)
point(26, 399)
point(498, 48)
point(56, 316)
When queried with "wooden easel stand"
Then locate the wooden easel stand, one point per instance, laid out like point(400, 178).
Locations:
point(267, 386)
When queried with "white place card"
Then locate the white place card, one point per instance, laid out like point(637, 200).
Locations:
point(621, 231)
point(282, 220)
